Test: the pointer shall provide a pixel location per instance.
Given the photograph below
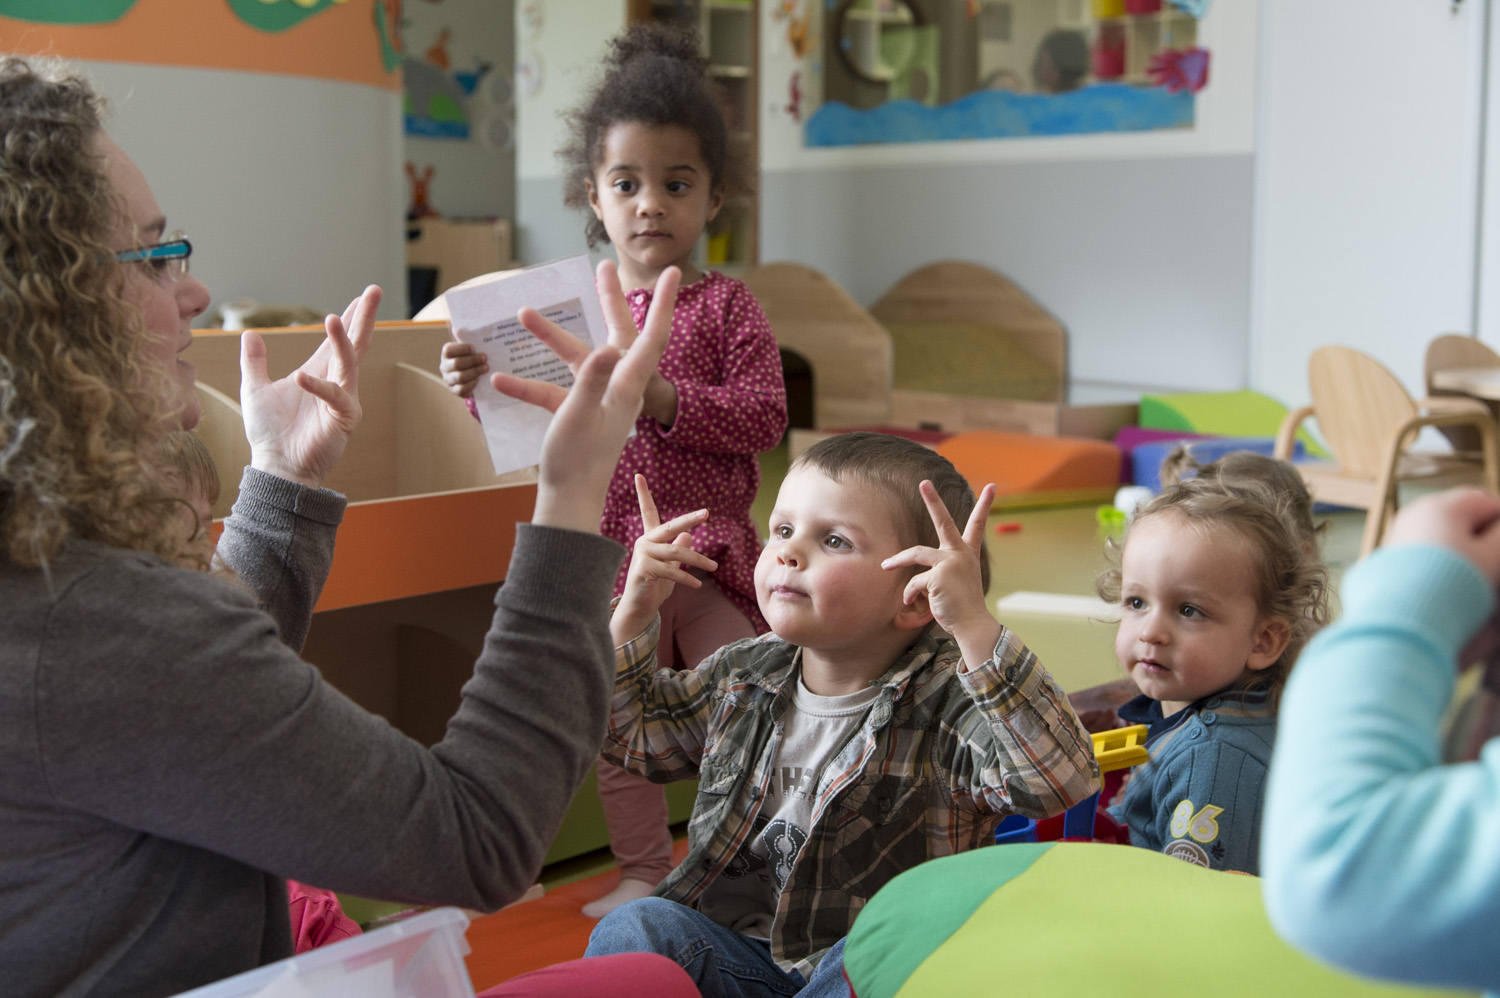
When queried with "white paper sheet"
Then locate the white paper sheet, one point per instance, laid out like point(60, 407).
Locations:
point(485, 316)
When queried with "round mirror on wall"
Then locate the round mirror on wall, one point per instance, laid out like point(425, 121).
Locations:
point(878, 39)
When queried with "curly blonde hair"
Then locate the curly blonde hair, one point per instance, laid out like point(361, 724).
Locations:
point(80, 412)
point(1264, 501)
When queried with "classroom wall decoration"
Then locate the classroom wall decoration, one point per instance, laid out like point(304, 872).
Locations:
point(351, 41)
point(278, 15)
point(439, 95)
point(888, 71)
point(77, 12)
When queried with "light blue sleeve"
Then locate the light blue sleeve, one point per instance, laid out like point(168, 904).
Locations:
point(1207, 802)
point(1375, 856)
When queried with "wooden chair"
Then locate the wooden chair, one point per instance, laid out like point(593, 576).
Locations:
point(1455, 350)
point(1369, 422)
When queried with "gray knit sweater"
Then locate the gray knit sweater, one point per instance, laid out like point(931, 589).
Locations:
point(166, 759)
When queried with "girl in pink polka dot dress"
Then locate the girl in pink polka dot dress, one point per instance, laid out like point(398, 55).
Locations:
point(649, 157)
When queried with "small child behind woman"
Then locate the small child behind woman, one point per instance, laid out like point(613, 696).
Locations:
point(1220, 586)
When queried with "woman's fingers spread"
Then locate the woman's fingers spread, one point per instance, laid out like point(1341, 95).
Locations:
point(650, 520)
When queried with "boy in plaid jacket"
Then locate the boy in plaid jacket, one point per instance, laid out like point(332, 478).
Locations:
point(887, 718)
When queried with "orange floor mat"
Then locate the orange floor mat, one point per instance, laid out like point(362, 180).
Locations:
point(538, 933)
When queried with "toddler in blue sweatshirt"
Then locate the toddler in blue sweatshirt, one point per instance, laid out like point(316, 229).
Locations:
point(1220, 585)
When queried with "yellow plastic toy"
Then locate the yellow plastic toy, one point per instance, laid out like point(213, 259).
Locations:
point(1120, 748)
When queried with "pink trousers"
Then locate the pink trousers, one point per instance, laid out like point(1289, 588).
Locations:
point(627, 975)
point(695, 623)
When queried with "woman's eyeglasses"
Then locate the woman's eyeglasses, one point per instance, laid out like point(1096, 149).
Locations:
point(168, 258)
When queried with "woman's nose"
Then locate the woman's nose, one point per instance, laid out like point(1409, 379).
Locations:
point(192, 297)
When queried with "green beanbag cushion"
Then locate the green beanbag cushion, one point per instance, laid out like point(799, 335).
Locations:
point(1080, 919)
point(1242, 413)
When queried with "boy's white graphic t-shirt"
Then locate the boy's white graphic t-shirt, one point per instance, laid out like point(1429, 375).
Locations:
point(744, 896)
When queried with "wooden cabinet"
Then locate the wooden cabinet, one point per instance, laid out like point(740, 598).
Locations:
point(730, 34)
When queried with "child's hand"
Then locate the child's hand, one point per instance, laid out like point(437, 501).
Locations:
point(461, 367)
point(1466, 521)
point(951, 585)
point(656, 565)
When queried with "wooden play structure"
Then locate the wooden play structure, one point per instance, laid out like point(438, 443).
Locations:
point(975, 352)
point(952, 346)
point(954, 355)
point(848, 350)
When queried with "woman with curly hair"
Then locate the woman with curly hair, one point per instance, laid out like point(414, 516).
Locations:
point(166, 758)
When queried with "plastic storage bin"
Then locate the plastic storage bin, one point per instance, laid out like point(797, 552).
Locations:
point(418, 957)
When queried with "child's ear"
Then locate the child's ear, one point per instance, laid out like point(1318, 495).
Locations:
point(915, 615)
point(715, 203)
point(594, 199)
point(1270, 641)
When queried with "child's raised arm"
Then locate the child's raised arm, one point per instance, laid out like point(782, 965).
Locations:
point(1376, 856)
point(951, 585)
point(656, 565)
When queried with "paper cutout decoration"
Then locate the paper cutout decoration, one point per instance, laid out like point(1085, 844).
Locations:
point(529, 73)
point(278, 15)
point(1195, 7)
point(1179, 69)
point(74, 12)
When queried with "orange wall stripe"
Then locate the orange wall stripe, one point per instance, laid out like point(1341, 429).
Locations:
point(341, 43)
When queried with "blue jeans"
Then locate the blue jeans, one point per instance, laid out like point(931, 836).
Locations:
point(722, 962)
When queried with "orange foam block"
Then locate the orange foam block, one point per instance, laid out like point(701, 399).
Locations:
point(1028, 469)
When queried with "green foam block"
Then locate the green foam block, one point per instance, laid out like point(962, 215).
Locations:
point(1227, 414)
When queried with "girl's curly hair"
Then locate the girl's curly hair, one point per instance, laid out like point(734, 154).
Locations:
point(80, 413)
point(653, 75)
point(1265, 502)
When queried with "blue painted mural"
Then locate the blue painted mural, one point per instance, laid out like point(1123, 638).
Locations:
point(993, 114)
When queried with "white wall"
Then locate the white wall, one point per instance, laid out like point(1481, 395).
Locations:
point(291, 188)
point(1366, 186)
point(567, 44)
point(1328, 195)
point(1140, 243)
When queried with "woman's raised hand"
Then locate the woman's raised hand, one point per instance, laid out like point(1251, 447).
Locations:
point(299, 425)
point(592, 419)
